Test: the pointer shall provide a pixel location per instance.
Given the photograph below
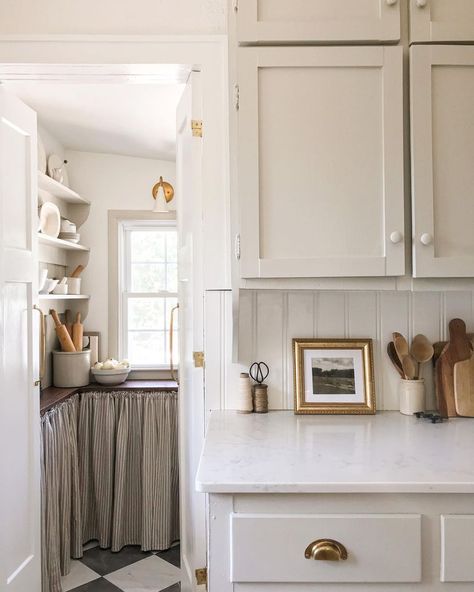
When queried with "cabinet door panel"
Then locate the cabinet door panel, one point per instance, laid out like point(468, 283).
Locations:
point(442, 173)
point(457, 532)
point(320, 162)
point(441, 20)
point(273, 21)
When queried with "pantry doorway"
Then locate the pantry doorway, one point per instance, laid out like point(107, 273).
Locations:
point(202, 224)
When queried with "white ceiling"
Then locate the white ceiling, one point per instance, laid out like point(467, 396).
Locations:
point(128, 119)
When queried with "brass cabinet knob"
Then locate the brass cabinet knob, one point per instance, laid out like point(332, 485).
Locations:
point(326, 550)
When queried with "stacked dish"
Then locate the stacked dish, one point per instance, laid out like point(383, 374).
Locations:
point(72, 237)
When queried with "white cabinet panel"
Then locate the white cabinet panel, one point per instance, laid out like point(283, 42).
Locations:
point(271, 548)
point(441, 20)
point(442, 96)
point(273, 21)
point(320, 151)
point(457, 548)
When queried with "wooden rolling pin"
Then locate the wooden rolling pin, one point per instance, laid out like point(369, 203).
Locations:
point(77, 333)
point(77, 272)
point(68, 321)
point(64, 338)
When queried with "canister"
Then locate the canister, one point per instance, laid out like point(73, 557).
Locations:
point(71, 369)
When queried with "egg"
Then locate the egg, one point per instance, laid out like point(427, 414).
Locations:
point(107, 365)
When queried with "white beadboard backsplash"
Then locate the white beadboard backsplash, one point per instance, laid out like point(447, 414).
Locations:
point(269, 319)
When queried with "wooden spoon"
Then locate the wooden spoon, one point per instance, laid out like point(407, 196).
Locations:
point(401, 346)
point(392, 354)
point(422, 350)
point(409, 367)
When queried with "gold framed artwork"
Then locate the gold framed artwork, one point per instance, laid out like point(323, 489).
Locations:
point(333, 376)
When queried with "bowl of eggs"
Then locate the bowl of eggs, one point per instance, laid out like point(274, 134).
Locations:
point(111, 372)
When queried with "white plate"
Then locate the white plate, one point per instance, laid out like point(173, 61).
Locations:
point(50, 219)
point(41, 156)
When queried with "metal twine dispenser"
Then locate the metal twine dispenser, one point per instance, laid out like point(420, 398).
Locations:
point(259, 372)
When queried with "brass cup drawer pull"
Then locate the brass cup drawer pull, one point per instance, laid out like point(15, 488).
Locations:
point(326, 550)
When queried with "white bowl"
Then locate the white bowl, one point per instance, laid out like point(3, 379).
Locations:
point(60, 289)
point(111, 377)
point(67, 225)
point(49, 286)
point(50, 219)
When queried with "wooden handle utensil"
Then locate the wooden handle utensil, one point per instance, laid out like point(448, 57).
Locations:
point(65, 340)
point(77, 333)
point(68, 321)
point(392, 354)
point(77, 272)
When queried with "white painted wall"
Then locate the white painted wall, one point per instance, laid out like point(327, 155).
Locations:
point(151, 17)
point(269, 319)
point(110, 182)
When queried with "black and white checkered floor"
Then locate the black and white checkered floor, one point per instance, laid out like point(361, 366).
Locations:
point(130, 570)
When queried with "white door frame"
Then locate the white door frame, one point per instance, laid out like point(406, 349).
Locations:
point(131, 59)
point(88, 58)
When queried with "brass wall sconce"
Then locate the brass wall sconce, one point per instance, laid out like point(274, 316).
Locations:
point(162, 198)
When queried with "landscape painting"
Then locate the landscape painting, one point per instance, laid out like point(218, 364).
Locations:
point(333, 376)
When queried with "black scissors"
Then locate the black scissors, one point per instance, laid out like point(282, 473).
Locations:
point(259, 371)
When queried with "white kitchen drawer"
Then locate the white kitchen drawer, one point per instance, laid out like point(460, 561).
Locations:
point(313, 21)
point(381, 548)
point(457, 548)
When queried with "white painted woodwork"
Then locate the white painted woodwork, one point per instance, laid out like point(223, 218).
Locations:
point(191, 330)
point(269, 319)
point(441, 20)
point(457, 548)
point(320, 150)
point(317, 21)
point(222, 507)
point(19, 397)
point(271, 548)
point(442, 136)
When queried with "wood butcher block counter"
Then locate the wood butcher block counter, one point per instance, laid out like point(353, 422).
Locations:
point(290, 496)
point(53, 395)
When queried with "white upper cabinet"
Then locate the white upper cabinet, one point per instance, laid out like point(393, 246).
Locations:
point(441, 20)
point(442, 119)
point(318, 21)
point(320, 162)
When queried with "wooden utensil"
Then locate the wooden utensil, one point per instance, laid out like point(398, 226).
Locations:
point(401, 346)
point(65, 340)
point(464, 387)
point(422, 351)
point(68, 321)
point(458, 349)
point(409, 367)
point(392, 354)
point(77, 272)
point(77, 333)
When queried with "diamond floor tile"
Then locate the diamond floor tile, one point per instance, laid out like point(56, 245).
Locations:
point(103, 561)
point(79, 574)
point(99, 585)
point(148, 575)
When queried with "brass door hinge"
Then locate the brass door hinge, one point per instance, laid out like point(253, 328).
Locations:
point(235, 5)
point(236, 97)
point(196, 128)
point(198, 359)
point(201, 576)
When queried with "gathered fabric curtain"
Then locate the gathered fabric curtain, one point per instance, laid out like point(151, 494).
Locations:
point(110, 473)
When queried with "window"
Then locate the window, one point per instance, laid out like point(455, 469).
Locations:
point(148, 292)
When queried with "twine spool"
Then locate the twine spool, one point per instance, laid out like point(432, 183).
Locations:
point(260, 398)
point(245, 394)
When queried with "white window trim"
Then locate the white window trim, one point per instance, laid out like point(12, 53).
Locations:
point(116, 220)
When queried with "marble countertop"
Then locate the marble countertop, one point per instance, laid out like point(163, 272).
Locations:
point(385, 453)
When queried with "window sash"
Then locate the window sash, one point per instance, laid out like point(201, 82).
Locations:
point(126, 294)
